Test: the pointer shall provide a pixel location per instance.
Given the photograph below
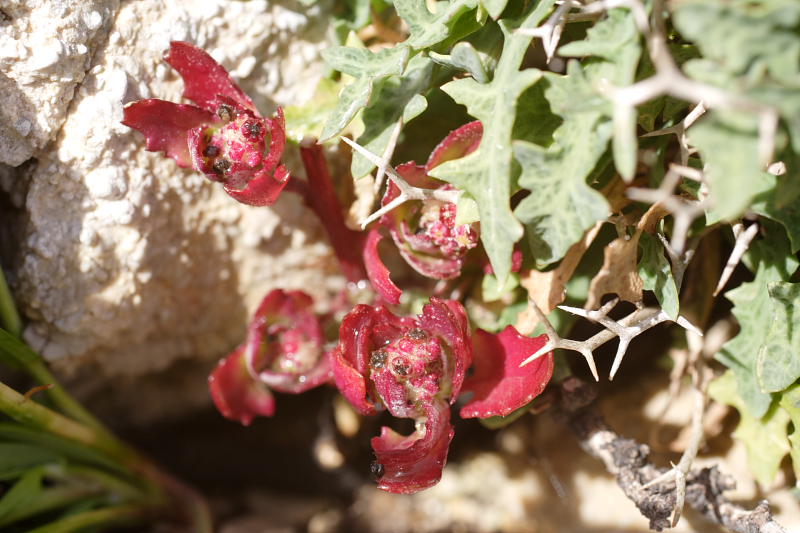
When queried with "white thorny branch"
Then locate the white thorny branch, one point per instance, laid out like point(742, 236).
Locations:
point(407, 192)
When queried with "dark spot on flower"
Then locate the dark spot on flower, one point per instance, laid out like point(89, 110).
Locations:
point(225, 112)
point(252, 130)
point(211, 151)
point(417, 334)
point(378, 359)
point(434, 367)
point(376, 470)
point(221, 166)
point(400, 366)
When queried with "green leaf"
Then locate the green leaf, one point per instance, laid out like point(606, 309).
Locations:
point(16, 458)
point(366, 67)
point(562, 206)
point(396, 98)
point(491, 289)
point(771, 261)
point(728, 144)
point(23, 493)
point(16, 435)
point(756, 39)
point(308, 119)
point(494, 7)
point(656, 274)
point(778, 363)
point(464, 57)
point(616, 40)
point(765, 438)
point(790, 401)
point(14, 352)
point(486, 174)
point(426, 28)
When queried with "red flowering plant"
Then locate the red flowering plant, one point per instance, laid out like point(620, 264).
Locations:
point(425, 230)
point(413, 367)
point(283, 351)
point(223, 136)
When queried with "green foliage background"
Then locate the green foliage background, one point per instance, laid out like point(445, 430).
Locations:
point(554, 138)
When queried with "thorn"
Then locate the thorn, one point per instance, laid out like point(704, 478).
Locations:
point(36, 389)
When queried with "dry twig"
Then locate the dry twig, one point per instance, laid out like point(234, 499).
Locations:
point(407, 192)
point(628, 461)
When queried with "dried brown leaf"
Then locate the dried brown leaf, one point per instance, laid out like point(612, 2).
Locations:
point(547, 289)
point(619, 274)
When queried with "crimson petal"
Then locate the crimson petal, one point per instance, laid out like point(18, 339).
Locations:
point(204, 78)
point(377, 272)
point(405, 465)
point(500, 385)
point(237, 395)
point(166, 125)
point(459, 143)
point(448, 320)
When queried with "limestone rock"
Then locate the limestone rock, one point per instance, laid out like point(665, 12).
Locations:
point(129, 263)
point(46, 47)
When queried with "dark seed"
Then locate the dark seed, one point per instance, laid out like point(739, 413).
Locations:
point(400, 367)
point(253, 129)
point(221, 166)
point(378, 359)
point(376, 470)
point(225, 112)
point(417, 334)
point(211, 151)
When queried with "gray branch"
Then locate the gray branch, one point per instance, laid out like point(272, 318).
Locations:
point(628, 461)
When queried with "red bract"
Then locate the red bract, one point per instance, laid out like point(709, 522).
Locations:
point(425, 231)
point(413, 367)
point(499, 384)
point(224, 136)
point(283, 351)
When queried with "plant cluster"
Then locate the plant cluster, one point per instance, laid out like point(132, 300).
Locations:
point(589, 149)
point(583, 160)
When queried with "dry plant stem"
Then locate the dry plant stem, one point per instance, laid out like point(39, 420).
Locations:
point(628, 461)
point(743, 239)
point(387, 157)
point(680, 131)
point(407, 192)
point(626, 329)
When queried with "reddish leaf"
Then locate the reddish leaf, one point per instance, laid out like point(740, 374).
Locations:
point(412, 367)
point(500, 385)
point(204, 79)
point(459, 143)
point(166, 125)
point(236, 394)
point(377, 272)
point(405, 465)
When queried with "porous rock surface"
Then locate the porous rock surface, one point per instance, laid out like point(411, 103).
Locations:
point(126, 264)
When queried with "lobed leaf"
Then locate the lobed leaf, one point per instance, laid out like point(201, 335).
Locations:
point(487, 174)
point(778, 364)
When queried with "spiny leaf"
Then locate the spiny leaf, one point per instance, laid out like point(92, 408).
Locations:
point(426, 28)
point(778, 364)
point(729, 146)
point(562, 206)
point(655, 271)
point(486, 174)
point(765, 438)
point(772, 262)
point(790, 401)
point(396, 98)
point(367, 67)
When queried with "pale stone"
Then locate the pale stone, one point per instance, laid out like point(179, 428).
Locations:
point(128, 263)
